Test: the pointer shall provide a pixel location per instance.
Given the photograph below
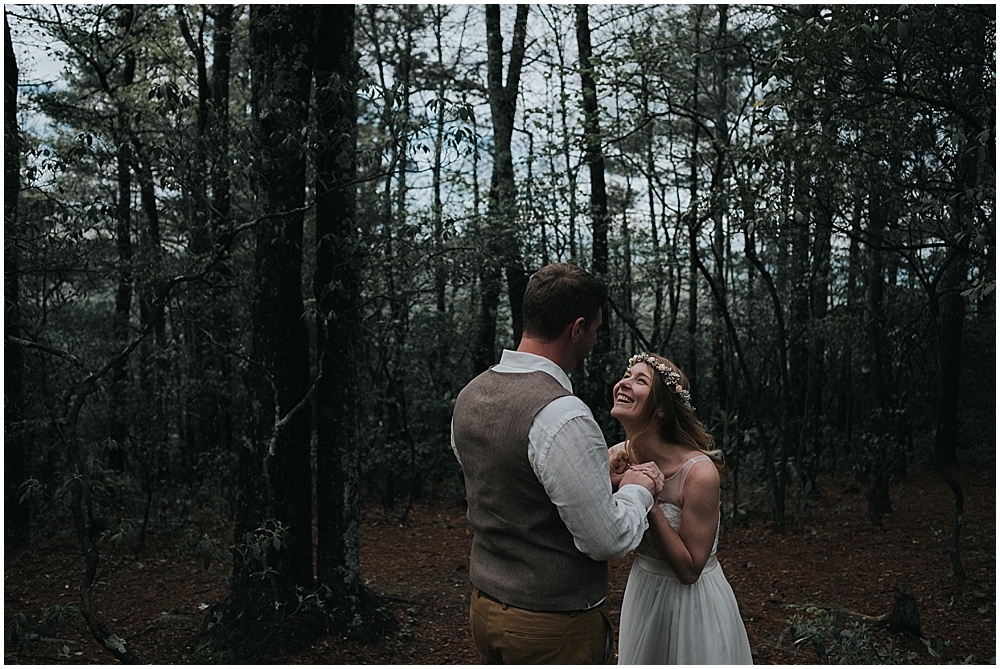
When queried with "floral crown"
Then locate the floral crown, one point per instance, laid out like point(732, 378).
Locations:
point(670, 376)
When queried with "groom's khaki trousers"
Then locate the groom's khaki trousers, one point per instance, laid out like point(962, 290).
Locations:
point(505, 634)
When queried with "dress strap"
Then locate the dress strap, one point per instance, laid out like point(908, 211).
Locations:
point(673, 486)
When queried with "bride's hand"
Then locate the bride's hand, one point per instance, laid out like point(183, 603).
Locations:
point(653, 472)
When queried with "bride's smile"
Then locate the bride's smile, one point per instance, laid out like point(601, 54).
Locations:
point(631, 391)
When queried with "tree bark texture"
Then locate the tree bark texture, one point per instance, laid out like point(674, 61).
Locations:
point(209, 417)
point(501, 246)
point(16, 514)
point(596, 393)
point(340, 254)
point(720, 210)
point(273, 526)
point(123, 241)
point(690, 364)
point(222, 49)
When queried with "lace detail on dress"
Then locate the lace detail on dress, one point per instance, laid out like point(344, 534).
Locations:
point(673, 514)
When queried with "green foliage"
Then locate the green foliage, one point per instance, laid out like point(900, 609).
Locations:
point(18, 635)
point(259, 545)
point(208, 549)
point(834, 642)
point(936, 648)
point(31, 488)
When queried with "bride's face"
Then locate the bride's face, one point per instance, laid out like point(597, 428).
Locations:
point(630, 394)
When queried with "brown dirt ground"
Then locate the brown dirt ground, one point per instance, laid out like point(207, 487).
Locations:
point(156, 600)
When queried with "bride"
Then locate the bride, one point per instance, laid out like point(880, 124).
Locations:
point(678, 606)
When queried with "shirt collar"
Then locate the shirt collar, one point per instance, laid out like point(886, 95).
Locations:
point(520, 362)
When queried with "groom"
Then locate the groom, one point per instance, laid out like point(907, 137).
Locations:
point(537, 480)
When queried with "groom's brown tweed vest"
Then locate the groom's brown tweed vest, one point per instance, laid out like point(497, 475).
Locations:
point(522, 553)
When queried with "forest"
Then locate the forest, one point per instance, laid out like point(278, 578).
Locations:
point(253, 252)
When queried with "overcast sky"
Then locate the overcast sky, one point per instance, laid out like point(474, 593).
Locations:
point(35, 65)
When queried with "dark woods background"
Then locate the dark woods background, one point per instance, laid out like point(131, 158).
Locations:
point(253, 253)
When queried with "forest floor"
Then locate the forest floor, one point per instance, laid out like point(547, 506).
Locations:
point(833, 557)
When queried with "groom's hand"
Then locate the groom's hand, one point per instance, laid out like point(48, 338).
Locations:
point(619, 465)
point(648, 475)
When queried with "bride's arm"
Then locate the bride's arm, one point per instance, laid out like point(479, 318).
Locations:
point(686, 553)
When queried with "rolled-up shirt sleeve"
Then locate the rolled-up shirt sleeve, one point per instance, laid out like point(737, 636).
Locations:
point(570, 458)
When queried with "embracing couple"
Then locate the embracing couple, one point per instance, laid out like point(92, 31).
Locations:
point(551, 503)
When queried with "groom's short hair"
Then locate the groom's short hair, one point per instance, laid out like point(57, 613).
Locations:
point(556, 296)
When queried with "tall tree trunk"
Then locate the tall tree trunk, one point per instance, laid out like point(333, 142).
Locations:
point(658, 273)
point(395, 389)
point(595, 392)
point(801, 221)
point(198, 181)
point(123, 240)
point(151, 309)
point(952, 317)
point(280, 341)
point(208, 415)
point(819, 299)
point(566, 146)
point(501, 247)
point(875, 310)
point(16, 513)
point(222, 48)
point(799, 275)
point(775, 461)
point(154, 366)
point(720, 139)
point(878, 499)
point(949, 354)
point(847, 395)
point(273, 527)
point(438, 13)
point(693, 215)
point(950, 321)
point(340, 257)
point(218, 420)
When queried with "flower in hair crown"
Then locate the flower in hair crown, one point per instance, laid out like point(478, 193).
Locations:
point(670, 376)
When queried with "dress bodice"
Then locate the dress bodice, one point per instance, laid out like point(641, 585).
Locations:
point(670, 502)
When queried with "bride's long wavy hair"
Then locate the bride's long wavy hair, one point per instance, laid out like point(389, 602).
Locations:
point(679, 425)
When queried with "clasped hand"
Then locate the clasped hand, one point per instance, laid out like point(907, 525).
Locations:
point(647, 474)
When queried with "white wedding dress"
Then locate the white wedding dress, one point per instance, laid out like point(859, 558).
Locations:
point(666, 622)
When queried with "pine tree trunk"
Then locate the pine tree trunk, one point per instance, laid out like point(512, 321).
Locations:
point(353, 609)
point(118, 392)
point(596, 393)
point(16, 514)
point(209, 412)
point(501, 246)
point(272, 552)
point(720, 210)
point(690, 364)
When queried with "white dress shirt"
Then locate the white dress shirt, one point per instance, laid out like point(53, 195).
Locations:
point(570, 458)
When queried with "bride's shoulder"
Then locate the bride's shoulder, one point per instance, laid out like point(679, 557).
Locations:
point(617, 447)
point(703, 471)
